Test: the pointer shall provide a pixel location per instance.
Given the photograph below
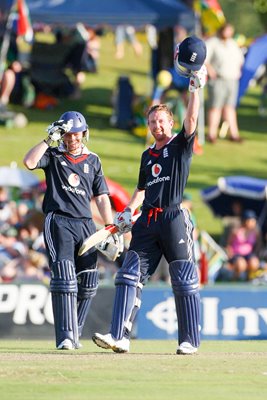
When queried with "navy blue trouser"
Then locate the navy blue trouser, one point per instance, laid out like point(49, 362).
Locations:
point(169, 233)
point(63, 238)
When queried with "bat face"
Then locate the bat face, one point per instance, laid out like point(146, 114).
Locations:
point(101, 235)
point(96, 238)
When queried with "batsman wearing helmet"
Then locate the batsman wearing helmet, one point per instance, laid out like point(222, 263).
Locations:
point(164, 228)
point(73, 176)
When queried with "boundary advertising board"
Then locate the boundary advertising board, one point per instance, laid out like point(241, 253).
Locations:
point(227, 312)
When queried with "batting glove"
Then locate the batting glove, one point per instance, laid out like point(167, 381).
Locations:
point(198, 79)
point(56, 130)
point(123, 220)
point(112, 247)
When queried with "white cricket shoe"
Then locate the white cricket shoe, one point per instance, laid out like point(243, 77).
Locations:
point(108, 342)
point(186, 348)
point(66, 344)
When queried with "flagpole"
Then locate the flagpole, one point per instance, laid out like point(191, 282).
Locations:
point(6, 41)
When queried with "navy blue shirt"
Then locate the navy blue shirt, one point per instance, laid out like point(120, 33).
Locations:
point(71, 181)
point(163, 173)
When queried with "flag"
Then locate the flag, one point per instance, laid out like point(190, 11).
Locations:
point(24, 26)
point(211, 15)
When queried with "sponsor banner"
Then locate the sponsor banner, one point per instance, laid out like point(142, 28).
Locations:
point(227, 312)
point(26, 312)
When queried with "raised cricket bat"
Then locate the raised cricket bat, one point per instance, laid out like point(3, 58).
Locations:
point(101, 235)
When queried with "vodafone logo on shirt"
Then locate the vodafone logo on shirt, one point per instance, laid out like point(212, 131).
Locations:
point(156, 170)
point(74, 180)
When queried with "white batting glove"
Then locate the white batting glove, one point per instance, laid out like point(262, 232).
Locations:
point(112, 247)
point(198, 79)
point(57, 129)
point(123, 220)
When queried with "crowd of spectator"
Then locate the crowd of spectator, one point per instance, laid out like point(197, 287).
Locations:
point(22, 250)
point(245, 246)
point(23, 255)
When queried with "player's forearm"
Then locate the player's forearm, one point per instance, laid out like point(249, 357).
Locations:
point(190, 122)
point(136, 200)
point(34, 155)
point(104, 208)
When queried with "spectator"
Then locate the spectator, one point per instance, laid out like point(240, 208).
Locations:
point(6, 86)
point(243, 247)
point(7, 209)
point(56, 67)
point(224, 62)
point(91, 55)
point(8, 79)
point(232, 221)
point(10, 249)
point(126, 33)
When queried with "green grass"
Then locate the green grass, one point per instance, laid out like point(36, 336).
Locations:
point(221, 370)
point(120, 150)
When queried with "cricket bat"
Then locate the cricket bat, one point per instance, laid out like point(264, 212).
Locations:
point(101, 235)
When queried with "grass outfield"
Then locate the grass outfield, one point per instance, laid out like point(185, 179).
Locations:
point(221, 370)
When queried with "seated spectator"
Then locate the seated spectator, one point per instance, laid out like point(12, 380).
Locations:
point(14, 84)
point(22, 250)
point(29, 266)
point(7, 84)
point(243, 247)
point(7, 209)
point(55, 67)
point(232, 221)
point(10, 249)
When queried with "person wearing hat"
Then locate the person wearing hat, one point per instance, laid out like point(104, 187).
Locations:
point(164, 227)
point(74, 176)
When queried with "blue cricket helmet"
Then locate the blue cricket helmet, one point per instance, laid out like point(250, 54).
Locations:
point(190, 55)
point(75, 119)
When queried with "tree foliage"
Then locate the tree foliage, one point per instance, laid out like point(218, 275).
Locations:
point(249, 17)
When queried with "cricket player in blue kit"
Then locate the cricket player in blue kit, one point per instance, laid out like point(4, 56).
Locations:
point(73, 176)
point(164, 228)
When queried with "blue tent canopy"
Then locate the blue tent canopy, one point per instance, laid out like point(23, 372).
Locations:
point(112, 12)
point(256, 56)
point(250, 192)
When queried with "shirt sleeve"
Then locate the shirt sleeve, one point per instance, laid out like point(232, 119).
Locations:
point(141, 185)
point(100, 185)
point(44, 160)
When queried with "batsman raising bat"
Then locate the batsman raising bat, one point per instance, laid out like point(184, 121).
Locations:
point(73, 176)
point(164, 228)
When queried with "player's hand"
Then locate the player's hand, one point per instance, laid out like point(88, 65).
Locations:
point(198, 79)
point(112, 247)
point(123, 220)
point(57, 129)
